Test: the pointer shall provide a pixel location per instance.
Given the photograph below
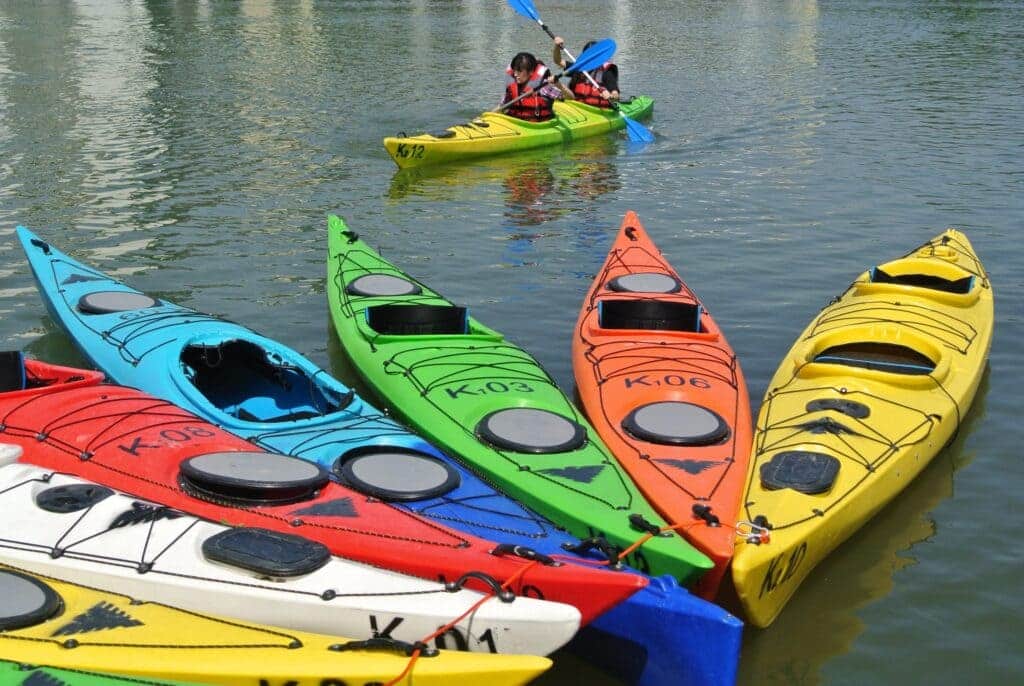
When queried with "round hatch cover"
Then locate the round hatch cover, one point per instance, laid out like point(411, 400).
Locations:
point(107, 302)
point(645, 282)
point(395, 474)
point(526, 430)
point(25, 600)
point(676, 423)
point(252, 477)
point(383, 285)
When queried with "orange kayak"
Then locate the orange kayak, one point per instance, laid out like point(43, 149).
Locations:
point(664, 390)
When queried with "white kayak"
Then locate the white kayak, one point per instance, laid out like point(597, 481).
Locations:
point(65, 527)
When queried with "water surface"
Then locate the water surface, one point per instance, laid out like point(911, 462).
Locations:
point(195, 148)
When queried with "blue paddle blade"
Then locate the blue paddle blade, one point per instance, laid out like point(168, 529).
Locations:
point(593, 57)
point(637, 132)
point(525, 8)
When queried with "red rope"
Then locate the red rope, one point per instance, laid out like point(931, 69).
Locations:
point(472, 608)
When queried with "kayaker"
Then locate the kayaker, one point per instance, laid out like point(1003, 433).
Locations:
point(526, 74)
point(607, 76)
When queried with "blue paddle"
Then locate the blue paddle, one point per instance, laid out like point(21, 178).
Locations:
point(591, 58)
point(637, 131)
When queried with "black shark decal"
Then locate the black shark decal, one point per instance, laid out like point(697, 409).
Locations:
point(80, 278)
point(583, 475)
point(826, 425)
point(142, 513)
point(100, 616)
point(342, 507)
point(691, 466)
point(42, 679)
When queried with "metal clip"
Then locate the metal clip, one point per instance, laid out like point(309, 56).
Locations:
point(752, 533)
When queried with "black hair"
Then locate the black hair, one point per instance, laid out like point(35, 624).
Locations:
point(524, 61)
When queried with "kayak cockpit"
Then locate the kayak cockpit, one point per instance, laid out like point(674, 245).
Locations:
point(884, 357)
point(246, 381)
point(17, 373)
point(955, 284)
point(651, 315)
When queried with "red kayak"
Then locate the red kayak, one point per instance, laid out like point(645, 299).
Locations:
point(65, 419)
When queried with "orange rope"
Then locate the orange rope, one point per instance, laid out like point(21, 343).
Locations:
point(472, 608)
point(762, 535)
point(648, 536)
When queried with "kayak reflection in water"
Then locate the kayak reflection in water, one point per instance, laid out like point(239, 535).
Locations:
point(526, 195)
point(543, 191)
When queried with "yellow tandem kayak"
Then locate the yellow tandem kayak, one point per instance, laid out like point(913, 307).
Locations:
point(493, 133)
point(874, 387)
point(67, 626)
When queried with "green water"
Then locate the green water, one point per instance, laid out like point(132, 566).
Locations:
point(195, 149)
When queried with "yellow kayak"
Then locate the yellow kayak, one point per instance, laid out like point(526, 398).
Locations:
point(493, 133)
point(871, 391)
point(67, 626)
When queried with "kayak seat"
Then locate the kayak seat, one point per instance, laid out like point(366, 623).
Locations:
point(406, 320)
point(266, 409)
point(652, 315)
point(240, 379)
point(12, 371)
point(935, 283)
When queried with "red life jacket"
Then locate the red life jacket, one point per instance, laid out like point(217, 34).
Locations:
point(585, 91)
point(534, 107)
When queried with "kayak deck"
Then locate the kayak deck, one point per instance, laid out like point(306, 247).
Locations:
point(490, 402)
point(872, 390)
point(662, 386)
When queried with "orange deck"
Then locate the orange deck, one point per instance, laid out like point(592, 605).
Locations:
point(651, 357)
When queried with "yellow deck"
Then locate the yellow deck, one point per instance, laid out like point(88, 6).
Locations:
point(107, 632)
point(883, 425)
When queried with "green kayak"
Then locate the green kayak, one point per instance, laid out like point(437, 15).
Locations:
point(14, 674)
point(488, 402)
point(493, 133)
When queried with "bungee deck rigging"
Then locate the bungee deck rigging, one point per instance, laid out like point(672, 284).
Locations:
point(482, 398)
point(69, 528)
point(874, 387)
point(662, 386)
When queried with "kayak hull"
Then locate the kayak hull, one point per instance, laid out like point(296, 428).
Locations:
point(458, 387)
point(644, 342)
point(232, 376)
point(875, 386)
point(17, 674)
point(493, 133)
point(78, 628)
point(117, 543)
